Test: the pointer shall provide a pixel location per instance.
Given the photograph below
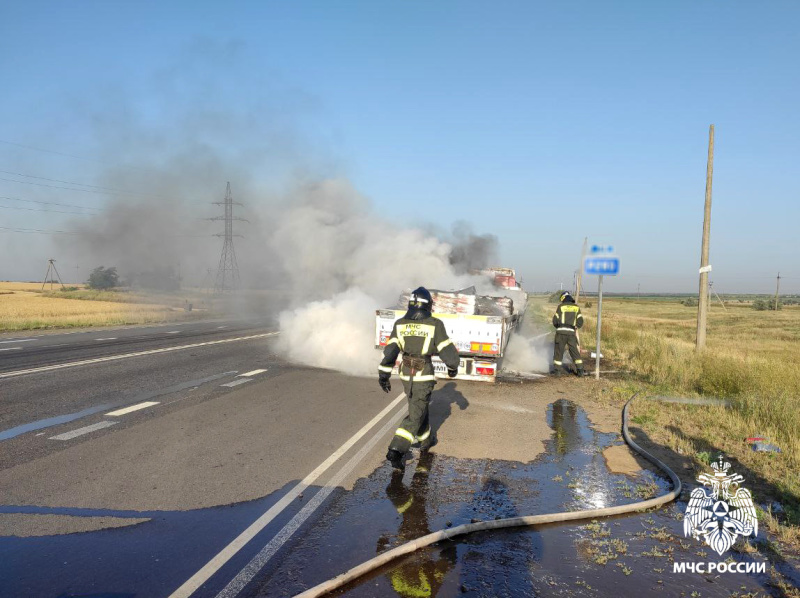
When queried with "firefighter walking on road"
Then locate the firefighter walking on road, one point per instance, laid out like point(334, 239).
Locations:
point(567, 320)
point(419, 336)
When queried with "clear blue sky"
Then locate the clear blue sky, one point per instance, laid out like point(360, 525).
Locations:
point(541, 123)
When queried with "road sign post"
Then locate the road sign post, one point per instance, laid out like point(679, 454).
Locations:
point(601, 262)
point(599, 316)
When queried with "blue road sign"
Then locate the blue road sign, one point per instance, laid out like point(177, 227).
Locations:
point(604, 265)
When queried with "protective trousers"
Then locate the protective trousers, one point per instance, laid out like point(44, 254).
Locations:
point(567, 340)
point(415, 427)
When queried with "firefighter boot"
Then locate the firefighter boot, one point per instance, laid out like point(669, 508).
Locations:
point(428, 444)
point(396, 459)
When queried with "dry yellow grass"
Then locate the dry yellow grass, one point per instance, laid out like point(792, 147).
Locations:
point(25, 286)
point(25, 308)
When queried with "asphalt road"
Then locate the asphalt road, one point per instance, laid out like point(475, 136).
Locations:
point(163, 446)
point(192, 460)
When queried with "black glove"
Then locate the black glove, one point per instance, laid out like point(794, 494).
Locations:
point(383, 380)
point(452, 372)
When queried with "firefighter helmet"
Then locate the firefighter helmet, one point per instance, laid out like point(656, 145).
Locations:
point(565, 296)
point(421, 299)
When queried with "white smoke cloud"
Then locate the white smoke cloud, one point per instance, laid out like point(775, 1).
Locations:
point(337, 333)
point(528, 353)
point(343, 262)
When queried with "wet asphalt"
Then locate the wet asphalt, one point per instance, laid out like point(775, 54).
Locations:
point(386, 510)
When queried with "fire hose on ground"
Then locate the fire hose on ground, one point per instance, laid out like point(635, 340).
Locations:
point(523, 521)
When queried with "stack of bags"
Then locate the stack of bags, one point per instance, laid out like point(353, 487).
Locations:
point(466, 302)
point(445, 302)
point(458, 302)
point(495, 306)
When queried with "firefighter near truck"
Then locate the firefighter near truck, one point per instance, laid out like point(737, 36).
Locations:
point(479, 325)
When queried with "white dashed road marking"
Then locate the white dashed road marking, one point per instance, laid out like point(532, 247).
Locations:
point(111, 338)
point(174, 332)
point(19, 340)
point(132, 408)
point(12, 349)
point(236, 382)
point(253, 373)
point(82, 431)
point(70, 364)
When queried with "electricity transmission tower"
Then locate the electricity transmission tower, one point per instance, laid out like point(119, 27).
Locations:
point(51, 271)
point(228, 270)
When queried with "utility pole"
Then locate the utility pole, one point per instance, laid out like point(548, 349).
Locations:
point(51, 270)
point(580, 270)
point(228, 270)
point(77, 275)
point(702, 304)
point(777, 290)
point(638, 291)
point(710, 290)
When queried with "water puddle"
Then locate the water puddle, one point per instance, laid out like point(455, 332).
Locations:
point(601, 558)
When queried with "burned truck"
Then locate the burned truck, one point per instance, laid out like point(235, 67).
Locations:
point(479, 324)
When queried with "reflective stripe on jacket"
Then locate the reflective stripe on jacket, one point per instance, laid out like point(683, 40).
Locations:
point(424, 338)
point(568, 316)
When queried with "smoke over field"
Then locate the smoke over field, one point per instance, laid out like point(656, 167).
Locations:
point(309, 233)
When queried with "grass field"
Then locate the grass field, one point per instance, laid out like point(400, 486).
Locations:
point(751, 359)
point(24, 306)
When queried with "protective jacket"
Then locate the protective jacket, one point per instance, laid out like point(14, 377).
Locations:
point(568, 317)
point(567, 320)
point(419, 336)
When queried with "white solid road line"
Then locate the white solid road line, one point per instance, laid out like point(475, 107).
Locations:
point(265, 554)
point(132, 408)
point(214, 565)
point(71, 364)
point(253, 373)
point(236, 382)
point(82, 431)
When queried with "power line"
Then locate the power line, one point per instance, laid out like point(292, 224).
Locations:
point(47, 151)
point(84, 190)
point(51, 203)
point(45, 210)
point(38, 231)
point(113, 189)
point(65, 232)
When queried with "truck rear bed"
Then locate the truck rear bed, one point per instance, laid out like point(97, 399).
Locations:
point(480, 340)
